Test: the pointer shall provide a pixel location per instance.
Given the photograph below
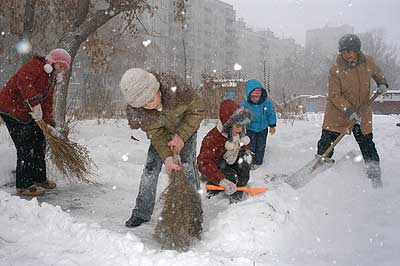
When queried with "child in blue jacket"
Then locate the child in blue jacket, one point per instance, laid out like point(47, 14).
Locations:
point(264, 116)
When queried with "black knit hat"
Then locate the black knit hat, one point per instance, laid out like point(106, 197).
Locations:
point(350, 42)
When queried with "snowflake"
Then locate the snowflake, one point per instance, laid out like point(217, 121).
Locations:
point(237, 67)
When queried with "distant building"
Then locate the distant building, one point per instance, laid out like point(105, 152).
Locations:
point(214, 91)
point(209, 37)
point(308, 103)
point(388, 103)
point(324, 41)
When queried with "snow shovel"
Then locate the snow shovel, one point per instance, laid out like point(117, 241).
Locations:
point(319, 164)
point(250, 190)
point(181, 219)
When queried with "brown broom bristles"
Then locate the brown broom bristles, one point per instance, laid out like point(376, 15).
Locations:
point(70, 158)
point(181, 219)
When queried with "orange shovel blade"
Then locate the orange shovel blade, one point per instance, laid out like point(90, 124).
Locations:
point(251, 190)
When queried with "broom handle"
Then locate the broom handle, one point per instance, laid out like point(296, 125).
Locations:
point(351, 125)
point(175, 155)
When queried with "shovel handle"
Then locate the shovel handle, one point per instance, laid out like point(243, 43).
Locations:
point(250, 190)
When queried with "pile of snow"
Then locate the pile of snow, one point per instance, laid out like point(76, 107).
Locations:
point(337, 219)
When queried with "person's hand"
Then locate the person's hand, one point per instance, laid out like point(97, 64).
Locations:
point(382, 89)
point(272, 130)
point(54, 131)
point(354, 117)
point(170, 165)
point(248, 157)
point(177, 143)
point(37, 113)
point(229, 186)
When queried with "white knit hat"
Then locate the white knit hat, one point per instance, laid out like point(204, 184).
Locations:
point(138, 87)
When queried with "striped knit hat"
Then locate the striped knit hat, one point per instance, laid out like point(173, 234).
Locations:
point(256, 92)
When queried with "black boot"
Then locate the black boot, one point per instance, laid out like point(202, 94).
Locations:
point(374, 173)
point(135, 221)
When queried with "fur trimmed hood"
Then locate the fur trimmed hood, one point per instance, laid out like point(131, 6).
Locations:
point(232, 113)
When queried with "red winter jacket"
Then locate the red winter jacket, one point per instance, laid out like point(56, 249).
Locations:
point(213, 145)
point(31, 84)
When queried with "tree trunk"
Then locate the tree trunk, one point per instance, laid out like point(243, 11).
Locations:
point(71, 42)
point(28, 27)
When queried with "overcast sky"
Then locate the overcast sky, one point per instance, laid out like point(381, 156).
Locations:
point(291, 18)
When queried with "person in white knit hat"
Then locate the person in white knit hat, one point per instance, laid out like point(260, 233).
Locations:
point(170, 112)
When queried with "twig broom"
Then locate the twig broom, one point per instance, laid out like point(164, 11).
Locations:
point(70, 158)
point(181, 219)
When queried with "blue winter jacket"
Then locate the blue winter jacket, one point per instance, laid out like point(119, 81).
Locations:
point(264, 114)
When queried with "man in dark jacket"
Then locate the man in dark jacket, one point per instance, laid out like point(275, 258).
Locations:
point(170, 112)
point(348, 91)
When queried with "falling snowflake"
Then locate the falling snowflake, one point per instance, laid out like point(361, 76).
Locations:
point(3, 33)
point(350, 4)
point(358, 158)
point(237, 67)
point(24, 47)
point(125, 157)
point(146, 43)
point(114, 187)
point(173, 89)
point(215, 71)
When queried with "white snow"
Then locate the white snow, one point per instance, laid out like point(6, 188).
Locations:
point(337, 219)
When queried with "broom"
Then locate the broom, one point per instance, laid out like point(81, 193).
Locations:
point(71, 159)
point(181, 219)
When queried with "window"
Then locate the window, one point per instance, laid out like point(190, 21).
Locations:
point(230, 94)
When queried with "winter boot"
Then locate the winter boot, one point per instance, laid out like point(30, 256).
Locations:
point(32, 191)
point(135, 221)
point(374, 173)
point(48, 184)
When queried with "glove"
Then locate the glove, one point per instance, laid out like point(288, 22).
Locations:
point(170, 165)
point(248, 157)
point(355, 118)
point(54, 132)
point(177, 142)
point(272, 130)
point(37, 113)
point(382, 89)
point(229, 186)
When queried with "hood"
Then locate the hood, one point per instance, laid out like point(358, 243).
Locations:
point(253, 84)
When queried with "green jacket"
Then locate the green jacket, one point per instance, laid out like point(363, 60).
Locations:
point(182, 112)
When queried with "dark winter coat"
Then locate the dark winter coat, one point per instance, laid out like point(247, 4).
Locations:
point(213, 145)
point(31, 84)
point(348, 90)
point(182, 112)
point(263, 111)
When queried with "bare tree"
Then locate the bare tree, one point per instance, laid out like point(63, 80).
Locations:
point(386, 56)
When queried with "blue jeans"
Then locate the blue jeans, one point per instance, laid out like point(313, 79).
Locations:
point(146, 197)
point(258, 141)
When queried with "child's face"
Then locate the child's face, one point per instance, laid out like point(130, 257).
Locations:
point(255, 98)
point(236, 129)
point(154, 103)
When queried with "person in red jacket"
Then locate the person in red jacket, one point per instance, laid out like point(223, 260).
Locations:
point(225, 155)
point(28, 97)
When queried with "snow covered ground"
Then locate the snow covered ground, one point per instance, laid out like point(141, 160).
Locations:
point(337, 219)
